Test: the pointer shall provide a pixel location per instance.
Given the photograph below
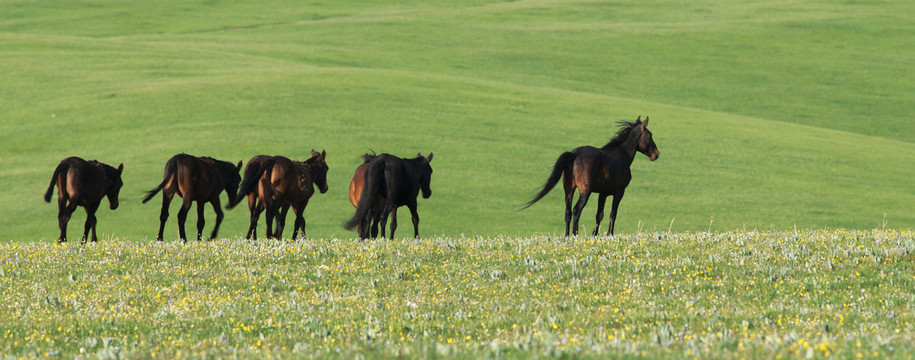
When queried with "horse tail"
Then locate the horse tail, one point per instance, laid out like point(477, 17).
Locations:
point(565, 160)
point(374, 180)
point(248, 183)
point(62, 168)
point(171, 170)
point(253, 173)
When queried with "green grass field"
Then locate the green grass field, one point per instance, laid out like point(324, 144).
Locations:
point(780, 125)
point(818, 294)
point(767, 115)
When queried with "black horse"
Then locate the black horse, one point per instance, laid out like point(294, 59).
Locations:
point(199, 179)
point(604, 171)
point(399, 181)
point(83, 183)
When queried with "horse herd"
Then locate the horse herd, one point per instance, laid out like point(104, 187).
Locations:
point(380, 185)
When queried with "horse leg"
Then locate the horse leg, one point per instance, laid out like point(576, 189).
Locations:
point(616, 204)
point(374, 221)
point(90, 223)
point(281, 222)
point(182, 217)
point(299, 222)
point(201, 221)
point(569, 188)
point(219, 216)
point(393, 221)
point(63, 217)
point(415, 220)
point(271, 215)
point(383, 219)
point(576, 212)
point(255, 208)
point(601, 201)
point(166, 200)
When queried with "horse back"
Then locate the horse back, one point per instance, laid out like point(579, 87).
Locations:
point(196, 179)
point(600, 171)
point(85, 181)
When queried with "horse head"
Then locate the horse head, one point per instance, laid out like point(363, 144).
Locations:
point(318, 163)
point(646, 144)
point(114, 186)
point(425, 176)
point(231, 179)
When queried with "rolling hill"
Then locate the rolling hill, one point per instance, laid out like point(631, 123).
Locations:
point(767, 115)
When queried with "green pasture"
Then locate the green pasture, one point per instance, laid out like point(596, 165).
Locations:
point(768, 115)
point(782, 295)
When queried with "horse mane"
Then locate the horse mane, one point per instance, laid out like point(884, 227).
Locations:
point(369, 157)
point(623, 134)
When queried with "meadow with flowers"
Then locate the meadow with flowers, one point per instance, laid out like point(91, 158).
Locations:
point(791, 294)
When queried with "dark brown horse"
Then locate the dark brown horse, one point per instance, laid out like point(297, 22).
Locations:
point(281, 183)
point(355, 192)
point(399, 181)
point(199, 179)
point(604, 171)
point(83, 183)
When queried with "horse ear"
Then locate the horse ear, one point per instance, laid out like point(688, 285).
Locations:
point(314, 153)
point(238, 166)
point(419, 154)
point(429, 158)
point(323, 155)
point(645, 123)
point(121, 168)
point(638, 119)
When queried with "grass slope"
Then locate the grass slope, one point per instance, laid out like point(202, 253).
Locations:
point(766, 115)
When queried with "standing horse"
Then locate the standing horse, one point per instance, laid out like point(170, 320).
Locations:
point(281, 183)
point(355, 192)
point(605, 171)
point(399, 182)
point(199, 179)
point(83, 183)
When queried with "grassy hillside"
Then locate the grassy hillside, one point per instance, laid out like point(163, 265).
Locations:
point(766, 115)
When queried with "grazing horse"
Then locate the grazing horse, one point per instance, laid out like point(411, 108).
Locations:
point(355, 192)
point(399, 182)
point(199, 179)
point(281, 183)
point(604, 171)
point(83, 183)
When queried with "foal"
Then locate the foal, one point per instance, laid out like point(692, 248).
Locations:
point(199, 179)
point(83, 183)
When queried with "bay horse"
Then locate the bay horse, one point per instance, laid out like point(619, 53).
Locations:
point(605, 171)
point(83, 183)
point(399, 181)
point(355, 192)
point(199, 179)
point(281, 183)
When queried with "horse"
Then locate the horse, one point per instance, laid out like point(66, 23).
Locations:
point(282, 183)
point(399, 181)
point(355, 192)
point(83, 183)
point(199, 179)
point(605, 171)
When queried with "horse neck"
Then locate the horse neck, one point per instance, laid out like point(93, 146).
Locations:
point(627, 149)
